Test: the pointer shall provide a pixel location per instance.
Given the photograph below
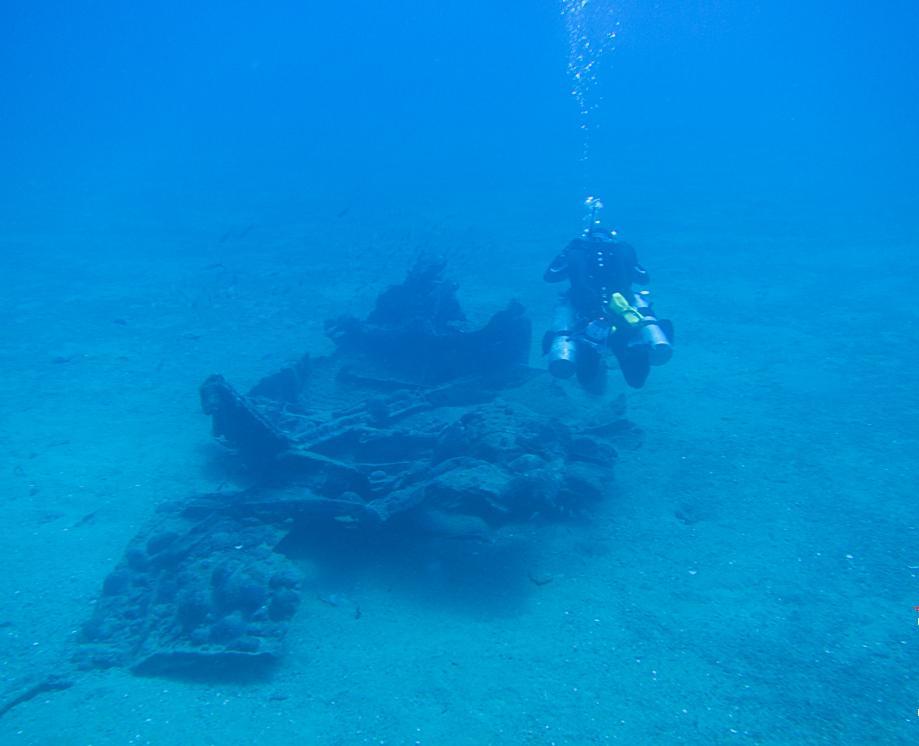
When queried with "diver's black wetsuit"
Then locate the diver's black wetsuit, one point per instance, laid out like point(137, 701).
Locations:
point(597, 267)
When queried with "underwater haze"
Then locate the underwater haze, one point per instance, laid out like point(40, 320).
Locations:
point(196, 188)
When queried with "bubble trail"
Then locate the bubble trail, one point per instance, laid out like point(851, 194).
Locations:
point(591, 28)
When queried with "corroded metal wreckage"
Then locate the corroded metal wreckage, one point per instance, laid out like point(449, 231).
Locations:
point(414, 424)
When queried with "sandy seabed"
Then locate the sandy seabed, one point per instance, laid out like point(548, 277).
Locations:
point(750, 579)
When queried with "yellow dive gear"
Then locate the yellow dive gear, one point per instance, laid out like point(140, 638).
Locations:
point(621, 307)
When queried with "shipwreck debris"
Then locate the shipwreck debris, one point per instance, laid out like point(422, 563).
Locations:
point(416, 424)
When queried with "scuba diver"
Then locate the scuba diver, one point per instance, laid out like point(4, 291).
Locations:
point(602, 311)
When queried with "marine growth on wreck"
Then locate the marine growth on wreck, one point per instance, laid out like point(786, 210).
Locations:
point(416, 425)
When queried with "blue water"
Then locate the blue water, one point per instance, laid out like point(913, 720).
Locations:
point(195, 187)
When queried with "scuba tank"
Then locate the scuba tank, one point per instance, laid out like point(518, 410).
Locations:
point(656, 333)
point(562, 348)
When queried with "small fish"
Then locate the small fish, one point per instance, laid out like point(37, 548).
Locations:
point(86, 519)
point(539, 578)
point(337, 600)
point(333, 599)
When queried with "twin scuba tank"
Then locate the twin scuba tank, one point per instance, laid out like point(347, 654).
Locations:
point(648, 331)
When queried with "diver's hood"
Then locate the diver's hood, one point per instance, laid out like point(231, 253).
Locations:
point(599, 233)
